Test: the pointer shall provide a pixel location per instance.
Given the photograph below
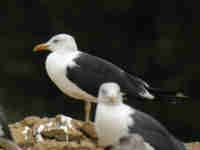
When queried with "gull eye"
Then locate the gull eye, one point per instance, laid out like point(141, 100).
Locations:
point(55, 41)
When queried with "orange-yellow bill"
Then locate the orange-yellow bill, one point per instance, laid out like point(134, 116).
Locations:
point(40, 47)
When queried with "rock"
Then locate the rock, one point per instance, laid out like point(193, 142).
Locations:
point(55, 133)
point(72, 146)
point(89, 129)
point(87, 144)
point(30, 121)
point(22, 134)
point(49, 145)
point(59, 133)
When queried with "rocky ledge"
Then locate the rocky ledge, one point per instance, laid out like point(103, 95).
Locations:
point(59, 133)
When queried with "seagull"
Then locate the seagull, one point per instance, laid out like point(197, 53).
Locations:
point(6, 140)
point(79, 75)
point(120, 127)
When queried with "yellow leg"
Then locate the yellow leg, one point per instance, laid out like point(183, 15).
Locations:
point(87, 111)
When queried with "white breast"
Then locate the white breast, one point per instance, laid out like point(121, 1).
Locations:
point(112, 123)
point(56, 67)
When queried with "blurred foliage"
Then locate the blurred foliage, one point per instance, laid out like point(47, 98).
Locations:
point(157, 39)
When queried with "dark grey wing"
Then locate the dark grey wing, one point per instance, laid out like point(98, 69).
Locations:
point(154, 133)
point(91, 71)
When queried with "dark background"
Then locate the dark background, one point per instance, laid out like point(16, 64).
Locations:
point(158, 40)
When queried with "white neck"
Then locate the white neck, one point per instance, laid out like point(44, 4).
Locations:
point(72, 46)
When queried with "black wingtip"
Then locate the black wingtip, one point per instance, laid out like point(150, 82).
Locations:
point(162, 91)
point(173, 96)
point(172, 99)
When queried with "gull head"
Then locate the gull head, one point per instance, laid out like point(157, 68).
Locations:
point(110, 93)
point(58, 42)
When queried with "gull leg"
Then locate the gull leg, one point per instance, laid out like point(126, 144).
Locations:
point(87, 111)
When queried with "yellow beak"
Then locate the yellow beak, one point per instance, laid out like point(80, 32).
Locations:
point(40, 47)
